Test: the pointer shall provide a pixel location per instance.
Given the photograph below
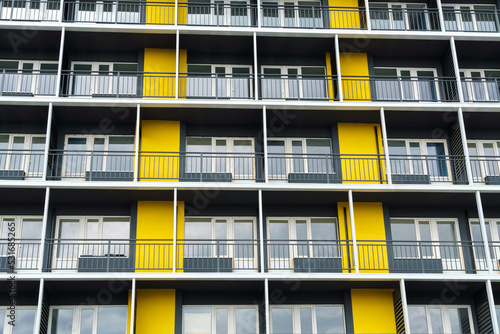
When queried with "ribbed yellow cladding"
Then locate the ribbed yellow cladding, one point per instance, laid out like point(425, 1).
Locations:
point(352, 66)
point(129, 309)
point(159, 77)
point(329, 73)
point(356, 139)
point(344, 18)
point(369, 220)
point(155, 311)
point(157, 12)
point(373, 311)
point(162, 137)
point(155, 220)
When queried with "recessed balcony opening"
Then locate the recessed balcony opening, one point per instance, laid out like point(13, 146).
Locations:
point(472, 16)
point(407, 16)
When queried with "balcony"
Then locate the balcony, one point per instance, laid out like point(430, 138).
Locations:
point(406, 19)
point(21, 164)
point(28, 82)
point(480, 18)
point(30, 10)
point(485, 169)
point(24, 255)
point(481, 89)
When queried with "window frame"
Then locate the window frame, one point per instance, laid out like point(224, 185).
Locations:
point(35, 73)
point(231, 316)
point(445, 316)
point(458, 12)
point(8, 329)
point(493, 162)
point(25, 154)
point(414, 80)
point(468, 81)
point(391, 12)
point(493, 225)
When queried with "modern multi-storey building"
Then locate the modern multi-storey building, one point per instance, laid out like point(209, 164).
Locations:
point(249, 167)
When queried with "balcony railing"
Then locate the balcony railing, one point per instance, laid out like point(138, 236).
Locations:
point(471, 20)
point(20, 254)
point(129, 12)
point(104, 83)
point(30, 10)
point(481, 89)
point(27, 82)
point(297, 87)
point(414, 19)
point(485, 169)
point(309, 16)
point(21, 164)
point(217, 14)
point(400, 89)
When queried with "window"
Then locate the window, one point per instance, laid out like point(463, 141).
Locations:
point(30, 10)
point(221, 237)
point(291, 239)
point(90, 236)
point(28, 77)
point(88, 319)
point(285, 82)
point(493, 235)
point(91, 153)
point(292, 13)
point(103, 79)
point(216, 156)
point(302, 319)
point(219, 81)
point(22, 153)
point(480, 85)
point(106, 11)
point(464, 17)
point(436, 319)
point(220, 319)
point(427, 238)
point(417, 157)
point(299, 155)
point(399, 16)
point(25, 320)
point(484, 156)
point(28, 233)
point(219, 12)
point(406, 84)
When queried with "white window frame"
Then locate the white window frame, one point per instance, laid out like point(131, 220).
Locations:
point(480, 164)
point(25, 155)
point(434, 243)
point(77, 315)
point(213, 18)
point(457, 8)
point(284, 81)
point(98, 15)
point(493, 225)
point(445, 318)
point(7, 328)
point(231, 316)
point(44, 12)
point(296, 316)
point(423, 153)
point(392, 7)
point(283, 8)
point(469, 85)
point(36, 77)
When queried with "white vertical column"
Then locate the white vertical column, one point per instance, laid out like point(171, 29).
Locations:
point(484, 234)
point(404, 303)
point(39, 306)
point(353, 233)
point(44, 228)
point(47, 143)
point(339, 73)
point(132, 308)
point(368, 20)
point(441, 15)
point(463, 136)
point(256, 70)
point(259, 14)
point(137, 142)
point(264, 143)
point(176, 12)
point(60, 60)
point(177, 62)
point(491, 304)
point(261, 231)
point(457, 69)
point(174, 241)
point(388, 168)
point(266, 301)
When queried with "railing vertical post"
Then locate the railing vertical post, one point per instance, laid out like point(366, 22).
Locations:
point(255, 64)
point(353, 232)
point(47, 143)
point(388, 167)
point(201, 166)
point(60, 60)
point(441, 15)
point(463, 136)
point(368, 20)
point(136, 139)
point(264, 144)
point(216, 85)
point(491, 304)
point(174, 239)
point(484, 234)
point(457, 69)
point(132, 307)
point(108, 257)
point(3, 82)
point(39, 306)
point(404, 304)
point(261, 231)
point(339, 73)
point(44, 229)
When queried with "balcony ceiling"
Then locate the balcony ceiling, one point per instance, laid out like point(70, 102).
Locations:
point(400, 48)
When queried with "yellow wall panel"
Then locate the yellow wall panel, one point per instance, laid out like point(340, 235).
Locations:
point(356, 139)
point(373, 311)
point(370, 226)
point(353, 65)
point(344, 18)
point(155, 221)
point(155, 312)
point(159, 77)
point(163, 137)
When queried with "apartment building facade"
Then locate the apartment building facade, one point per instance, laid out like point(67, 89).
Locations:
point(249, 166)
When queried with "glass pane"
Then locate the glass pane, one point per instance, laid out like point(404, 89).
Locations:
point(87, 321)
point(418, 320)
point(319, 159)
point(276, 159)
point(437, 160)
point(198, 230)
point(123, 159)
point(329, 319)
point(36, 158)
point(193, 160)
point(25, 322)
point(448, 239)
point(2, 317)
point(399, 160)
point(436, 320)
point(298, 157)
point(221, 236)
point(16, 160)
point(416, 159)
point(404, 234)
point(62, 319)
point(324, 234)
point(68, 235)
point(243, 161)
point(301, 234)
point(243, 235)
point(221, 321)
point(281, 320)
point(75, 157)
point(246, 321)
point(305, 320)
point(278, 230)
point(272, 82)
point(459, 320)
point(197, 320)
point(112, 320)
point(425, 237)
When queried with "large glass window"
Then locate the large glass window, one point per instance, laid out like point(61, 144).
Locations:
point(88, 320)
point(406, 84)
point(481, 85)
point(219, 319)
point(28, 233)
point(470, 17)
point(22, 153)
point(399, 16)
point(218, 12)
point(28, 77)
point(493, 237)
point(307, 319)
point(24, 322)
point(285, 82)
point(219, 81)
point(438, 319)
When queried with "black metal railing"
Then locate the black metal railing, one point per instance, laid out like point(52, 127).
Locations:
point(420, 19)
point(128, 12)
point(471, 20)
point(481, 89)
point(20, 254)
point(103, 83)
point(298, 87)
point(234, 14)
point(21, 164)
point(28, 82)
point(30, 10)
point(400, 89)
point(485, 169)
